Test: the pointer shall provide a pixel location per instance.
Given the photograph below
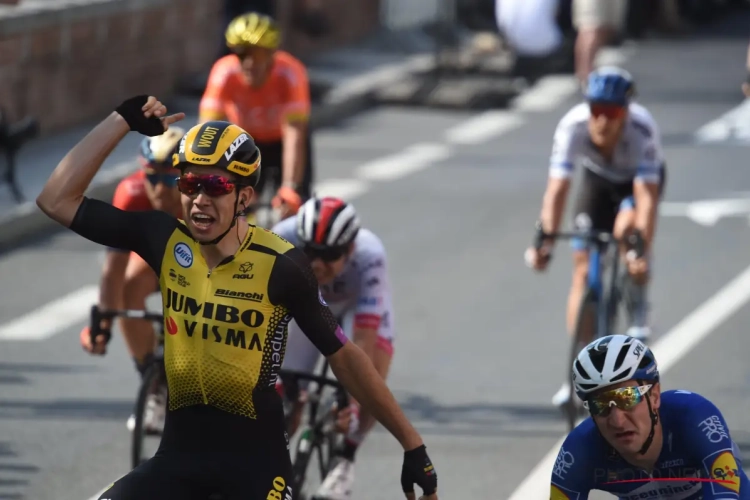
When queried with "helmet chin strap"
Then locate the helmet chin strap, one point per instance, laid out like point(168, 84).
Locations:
point(237, 213)
point(654, 420)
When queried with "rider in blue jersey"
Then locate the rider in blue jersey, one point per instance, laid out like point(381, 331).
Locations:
point(639, 434)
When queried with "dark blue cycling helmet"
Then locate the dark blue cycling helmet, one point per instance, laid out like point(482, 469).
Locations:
point(158, 150)
point(610, 85)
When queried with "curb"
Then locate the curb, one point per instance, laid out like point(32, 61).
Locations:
point(27, 221)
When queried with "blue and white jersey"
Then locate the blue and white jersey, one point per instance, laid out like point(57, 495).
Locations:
point(696, 444)
point(639, 154)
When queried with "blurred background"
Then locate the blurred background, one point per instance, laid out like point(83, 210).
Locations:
point(435, 117)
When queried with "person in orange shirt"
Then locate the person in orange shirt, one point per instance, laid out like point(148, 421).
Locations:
point(266, 92)
point(127, 280)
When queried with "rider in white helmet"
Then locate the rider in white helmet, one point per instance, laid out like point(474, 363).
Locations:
point(349, 263)
point(638, 436)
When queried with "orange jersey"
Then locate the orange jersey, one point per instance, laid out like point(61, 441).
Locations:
point(262, 112)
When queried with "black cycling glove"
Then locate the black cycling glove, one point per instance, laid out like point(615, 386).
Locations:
point(132, 111)
point(418, 469)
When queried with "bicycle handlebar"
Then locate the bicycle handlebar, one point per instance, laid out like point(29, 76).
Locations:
point(97, 315)
point(342, 397)
point(634, 241)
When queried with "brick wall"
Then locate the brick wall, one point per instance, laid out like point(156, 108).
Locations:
point(69, 64)
point(350, 20)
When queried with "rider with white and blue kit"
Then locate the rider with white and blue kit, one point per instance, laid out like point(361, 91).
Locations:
point(618, 144)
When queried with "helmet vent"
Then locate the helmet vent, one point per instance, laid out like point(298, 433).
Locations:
point(621, 357)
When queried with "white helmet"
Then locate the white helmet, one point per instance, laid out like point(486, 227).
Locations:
point(610, 360)
point(327, 223)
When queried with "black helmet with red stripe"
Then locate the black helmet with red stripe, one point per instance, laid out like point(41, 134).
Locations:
point(327, 223)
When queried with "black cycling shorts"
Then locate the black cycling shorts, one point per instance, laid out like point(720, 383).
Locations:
point(600, 200)
point(203, 457)
point(272, 154)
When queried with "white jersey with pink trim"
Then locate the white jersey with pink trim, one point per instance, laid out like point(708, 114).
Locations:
point(360, 296)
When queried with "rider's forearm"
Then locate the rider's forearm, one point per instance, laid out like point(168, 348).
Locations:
point(293, 162)
point(646, 198)
point(359, 377)
point(63, 192)
point(553, 204)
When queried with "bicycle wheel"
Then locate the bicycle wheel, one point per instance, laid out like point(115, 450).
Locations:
point(305, 447)
point(585, 332)
point(154, 381)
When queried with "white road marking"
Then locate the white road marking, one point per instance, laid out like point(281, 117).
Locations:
point(669, 349)
point(484, 127)
point(412, 159)
point(707, 212)
point(53, 317)
point(346, 189)
point(734, 125)
point(547, 94)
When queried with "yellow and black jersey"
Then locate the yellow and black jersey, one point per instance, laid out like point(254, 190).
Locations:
point(225, 327)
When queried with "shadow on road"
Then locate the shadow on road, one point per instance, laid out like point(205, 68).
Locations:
point(15, 373)
point(62, 409)
point(483, 419)
point(14, 475)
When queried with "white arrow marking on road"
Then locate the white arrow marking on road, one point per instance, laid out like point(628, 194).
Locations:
point(733, 125)
point(706, 212)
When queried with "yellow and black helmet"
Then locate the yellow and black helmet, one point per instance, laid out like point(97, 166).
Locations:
point(253, 30)
point(223, 145)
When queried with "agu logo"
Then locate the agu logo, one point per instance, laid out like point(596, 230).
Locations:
point(725, 469)
point(183, 255)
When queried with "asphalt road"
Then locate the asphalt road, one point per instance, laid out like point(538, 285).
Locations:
point(479, 337)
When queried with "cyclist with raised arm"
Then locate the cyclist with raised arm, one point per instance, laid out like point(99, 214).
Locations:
point(349, 263)
point(265, 91)
point(127, 280)
point(641, 442)
point(226, 322)
point(618, 143)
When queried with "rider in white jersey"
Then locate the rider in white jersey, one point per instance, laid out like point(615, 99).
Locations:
point(350, 265)
point(618, 144)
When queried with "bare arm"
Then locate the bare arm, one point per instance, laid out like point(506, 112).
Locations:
point(357, 374)
point(63, 192)
point(553, 203)
point(646, 196)
point(294, 135)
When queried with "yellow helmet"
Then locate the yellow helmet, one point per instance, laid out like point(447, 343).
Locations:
point(253, 30)
point(159, 149)
point(223, 145)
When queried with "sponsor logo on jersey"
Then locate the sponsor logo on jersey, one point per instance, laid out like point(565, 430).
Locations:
point(277, 491)
point(252, 296)
point(563, 463)
point(725, 468)
point(193, 311)
point(244, 274)
point(714, 429)
point(369, 301)
point(183, 255)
